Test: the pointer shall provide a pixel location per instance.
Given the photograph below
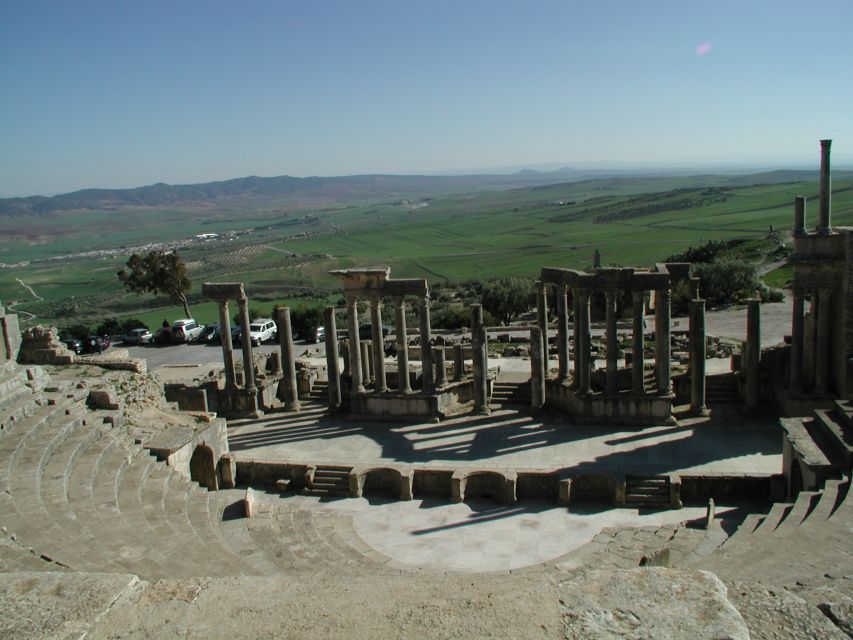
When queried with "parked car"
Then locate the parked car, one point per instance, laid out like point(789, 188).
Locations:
point(140, 335)
point(315, 335)
point(186, 330)
point(74, 344)
point(96, 344)
point(261, 330)
point(365, 331)
point(163, 336)
point(211, 335)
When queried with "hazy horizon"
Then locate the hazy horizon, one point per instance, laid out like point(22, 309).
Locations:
point(120, 95)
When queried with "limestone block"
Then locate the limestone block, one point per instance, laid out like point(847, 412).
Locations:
point(105, 398)
point(250, 502)
point(652, 602)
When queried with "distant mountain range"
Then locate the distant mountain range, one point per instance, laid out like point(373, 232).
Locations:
point(314, 191)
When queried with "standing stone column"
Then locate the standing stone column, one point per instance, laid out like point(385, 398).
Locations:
point(537, 368)
point(354, 346)
point(366, 362)
point(697, 358)
point(638, 356)
point(440, 364)
point(285, 341)
point(582, 343)
point(380, 385)
point(800, 216)
point(344, 347)
point(562, 334)
point(576, 334)
point(542, 315)
point(479, 342)
point(227, 347)
point(612, 346)
point(332, 362)
point(823, 355)
point(824, 226)
point(458, 362)
point(795, 385)
point(663, 300)
point(752, 359)
point(248, 363)
point(427, 385)
point(403, 383)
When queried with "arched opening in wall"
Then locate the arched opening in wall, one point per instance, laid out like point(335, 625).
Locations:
point(203, 467)
point(382, 483)
point(486, 485)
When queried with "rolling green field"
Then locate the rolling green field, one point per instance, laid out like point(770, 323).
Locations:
point(285, 256)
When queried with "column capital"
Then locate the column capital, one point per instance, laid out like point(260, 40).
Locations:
point(584, 294)
point(351, 299)
point(540, 286)
point(611, 294)
point(243, 302)
point(375, 301)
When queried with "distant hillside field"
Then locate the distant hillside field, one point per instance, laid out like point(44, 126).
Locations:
point(284, 252)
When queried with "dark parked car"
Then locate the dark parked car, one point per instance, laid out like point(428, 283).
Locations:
point(365, 331)
point(74, 344)
point(163, 336)
point(211, 335)
point(95, 344)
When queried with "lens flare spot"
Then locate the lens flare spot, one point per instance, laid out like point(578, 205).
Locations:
point(703, 49)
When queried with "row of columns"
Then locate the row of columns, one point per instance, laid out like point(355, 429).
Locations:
point(356, 357)
point(583, 362)
point(819, 342)
point(228, 348)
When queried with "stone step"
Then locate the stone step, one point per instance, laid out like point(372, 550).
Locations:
point(837, 436)
point(774, 518)
point(832, 494)
point(652, 491)
point(742, 533)
point(802, 507)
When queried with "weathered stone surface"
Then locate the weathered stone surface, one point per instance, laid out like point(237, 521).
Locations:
point(57, 605)
point(103, 398)
point(41, 345)
point(649, 603)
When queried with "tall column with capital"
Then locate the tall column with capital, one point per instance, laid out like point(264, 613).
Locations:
point(479, 341)
point(562, 334)
point(403, 383)
point(800, 216)
point(227, 347)
point(663, 301)
point(285, 341)
point(698, 350)
point(824, 225)
point(428, 385)
point(638, 299)
point(576, 334)
point(582, 343)
point(354, 346)
point(380, 385)
point(333, 366)
point(612, 346)
point(795, 385)
point(248, 362)
point(823, 354)
point(542, 315)
point(752, 360)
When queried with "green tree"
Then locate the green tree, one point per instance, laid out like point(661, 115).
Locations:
point(159, 273)
point(727, 281)
point(507, 298)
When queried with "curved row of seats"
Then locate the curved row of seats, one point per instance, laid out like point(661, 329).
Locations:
point(77, 493)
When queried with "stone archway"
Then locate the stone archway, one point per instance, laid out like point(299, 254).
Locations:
point(203, 467)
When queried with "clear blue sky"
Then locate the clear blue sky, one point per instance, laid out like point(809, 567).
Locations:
point(121, 94)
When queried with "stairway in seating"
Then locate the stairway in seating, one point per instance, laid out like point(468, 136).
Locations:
point(329, 481)
point(647, 491)
point(319, 393)
point(511, 393)
point(722, 388)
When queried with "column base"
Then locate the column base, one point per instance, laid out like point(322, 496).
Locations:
point(700, 412)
